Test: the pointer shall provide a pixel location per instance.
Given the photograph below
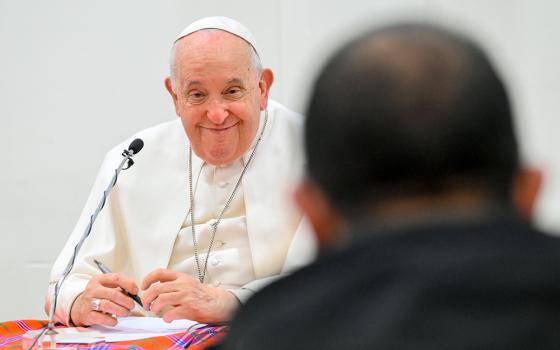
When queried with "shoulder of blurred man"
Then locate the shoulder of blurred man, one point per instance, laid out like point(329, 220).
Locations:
point(452, 284)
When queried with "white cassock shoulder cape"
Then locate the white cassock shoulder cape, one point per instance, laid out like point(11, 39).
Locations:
point(135, 232)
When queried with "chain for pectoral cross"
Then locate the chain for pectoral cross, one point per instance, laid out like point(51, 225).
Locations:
point(202, 272)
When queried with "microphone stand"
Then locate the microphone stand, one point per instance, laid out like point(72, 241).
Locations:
point(49, 330)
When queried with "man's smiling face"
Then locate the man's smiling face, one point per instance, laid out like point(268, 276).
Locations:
point(218, 94)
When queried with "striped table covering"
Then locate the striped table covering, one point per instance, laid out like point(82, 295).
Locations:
point(11, 333)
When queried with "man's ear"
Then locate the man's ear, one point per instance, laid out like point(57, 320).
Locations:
point(526, 186)
point(169, 88)
point(324, 219)
point(265, 82)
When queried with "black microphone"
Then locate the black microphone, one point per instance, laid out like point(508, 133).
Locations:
point(133, 149)
point(136, 146)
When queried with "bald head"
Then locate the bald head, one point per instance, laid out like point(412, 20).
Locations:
point(409, 109)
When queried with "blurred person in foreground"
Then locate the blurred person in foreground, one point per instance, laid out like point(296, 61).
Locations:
point(205, 217)
point(416, 191)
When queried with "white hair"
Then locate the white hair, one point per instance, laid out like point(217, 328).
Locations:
point(253, 55)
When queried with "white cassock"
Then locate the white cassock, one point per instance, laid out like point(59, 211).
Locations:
point(145, 223)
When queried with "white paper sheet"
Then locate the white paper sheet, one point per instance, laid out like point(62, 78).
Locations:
point(132, 328)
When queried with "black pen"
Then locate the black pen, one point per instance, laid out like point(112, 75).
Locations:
point(105, 269)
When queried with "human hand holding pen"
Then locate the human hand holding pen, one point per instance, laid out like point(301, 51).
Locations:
point(103, 299)
point(106, 270)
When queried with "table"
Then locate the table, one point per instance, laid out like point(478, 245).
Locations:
point(11, 333)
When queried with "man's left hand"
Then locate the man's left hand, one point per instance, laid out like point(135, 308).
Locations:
point(180, 296)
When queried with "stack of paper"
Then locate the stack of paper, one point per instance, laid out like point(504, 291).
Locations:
point(132, 328)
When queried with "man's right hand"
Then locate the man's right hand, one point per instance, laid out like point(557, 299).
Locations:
point(106, 288)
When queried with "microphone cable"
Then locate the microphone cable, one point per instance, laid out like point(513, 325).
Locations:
point(133, 149)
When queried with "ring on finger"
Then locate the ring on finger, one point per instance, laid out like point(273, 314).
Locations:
point(96, 304)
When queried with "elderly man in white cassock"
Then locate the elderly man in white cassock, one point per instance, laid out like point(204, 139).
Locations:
point(205, 217)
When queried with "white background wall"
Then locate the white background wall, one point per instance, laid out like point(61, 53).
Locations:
point(76, 77)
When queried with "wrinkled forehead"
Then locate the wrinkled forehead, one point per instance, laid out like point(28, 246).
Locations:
point(213, 57)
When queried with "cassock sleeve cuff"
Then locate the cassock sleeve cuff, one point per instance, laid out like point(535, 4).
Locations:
point(242, 294)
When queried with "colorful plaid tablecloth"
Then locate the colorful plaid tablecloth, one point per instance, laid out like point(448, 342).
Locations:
point(11, 333)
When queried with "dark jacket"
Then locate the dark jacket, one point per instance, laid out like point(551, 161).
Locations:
point(492, 284)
